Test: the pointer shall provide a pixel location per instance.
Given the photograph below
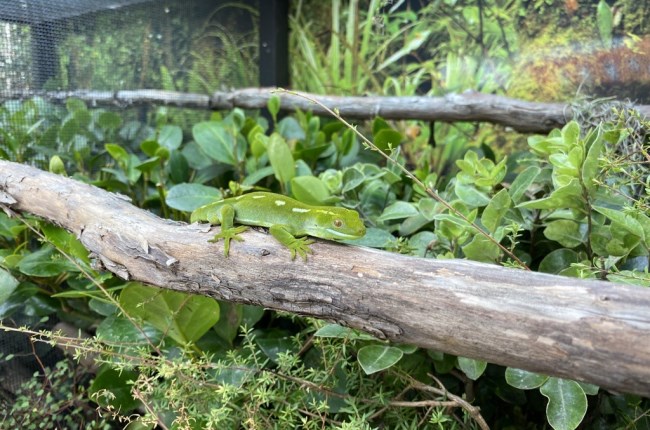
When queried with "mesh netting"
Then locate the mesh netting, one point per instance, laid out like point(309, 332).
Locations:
point(188, 45)
point(63, 45)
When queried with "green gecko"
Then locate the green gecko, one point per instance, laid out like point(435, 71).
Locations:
point(285, 217)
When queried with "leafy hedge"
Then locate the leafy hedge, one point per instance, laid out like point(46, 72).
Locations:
point(565, 205)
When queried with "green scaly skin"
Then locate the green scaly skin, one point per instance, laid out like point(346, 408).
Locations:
point(288, 220)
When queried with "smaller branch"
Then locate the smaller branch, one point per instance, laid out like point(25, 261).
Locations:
point(520, 115)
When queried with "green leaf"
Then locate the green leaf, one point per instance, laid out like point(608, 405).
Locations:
point(183, 317)
point(470, 195)
point(428, 207)
point(68, 130)
point(215, 141)
point(558, 260)
point(229, 321)
point(119, 154)
point(149, 147)
point(387, 139)
point(170, 137)
point(495, 210)
point(148, 165)
point(570, 134)
point(290, 129)
point(274, 342)
point(7, 285)
point(44, 263)
point(374, 358)
point(281, 159)
point(398, 210)
point(523, 379)
point(119, 330)
point(589, 389)
point(374, 238)
point(566, 232)
point(568, 196)
point(118, 384)
point(340, 332)
point(179, 168)
point(258, 175)
point(482, 249)
point(605, 21)
point(522, 182)
point(567, 403)
point(65, 241)
point(187, 197)
point(273, 105)
point(109, 120)
point(590, 167)
point(379, 124)
point(623, 220)
point(310, 190)
point(473, 369)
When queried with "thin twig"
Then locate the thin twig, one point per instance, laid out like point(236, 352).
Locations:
point(411, 176)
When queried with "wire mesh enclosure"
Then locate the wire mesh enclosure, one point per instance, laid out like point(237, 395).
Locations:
point(188, 45)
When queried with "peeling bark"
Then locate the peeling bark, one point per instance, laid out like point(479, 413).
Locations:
point(592, 331)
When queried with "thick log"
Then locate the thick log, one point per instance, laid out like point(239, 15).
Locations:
point(520, 115)
point(592, 331)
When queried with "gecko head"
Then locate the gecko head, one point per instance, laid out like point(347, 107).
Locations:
point(338, 224)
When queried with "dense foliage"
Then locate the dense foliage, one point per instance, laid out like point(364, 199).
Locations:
point(573, 203)
point(202, 364)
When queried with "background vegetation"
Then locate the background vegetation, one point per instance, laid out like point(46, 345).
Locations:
point(573, 203)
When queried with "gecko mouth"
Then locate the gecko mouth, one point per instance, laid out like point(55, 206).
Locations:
point(343, 236)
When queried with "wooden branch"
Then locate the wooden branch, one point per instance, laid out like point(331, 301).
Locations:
point(523, 116)
point(587, 330)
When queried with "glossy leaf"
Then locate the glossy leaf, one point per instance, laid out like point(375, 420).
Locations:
point(566, 232)
point(567, 403)
point(523, 379)
point(118, 153)
point(109, 120)
point(387, 139)
point(568, 196)
point(375, 358)
point(398, 210)
point(45, 263)
point(7, 285)
point(470, 195)
point(273, 105)
point(187, 197)
point(310, 190)
point(183, 317)
point(558, 260)
point(217, 142)
point(281, 159)
point(118, 384)
point(495, 210)
point(482, 249)
point(340, 332)
point(473, 369)
point(590, 167)
point(171, 137)
point(605, 21)
point(522, 182)
point(623, 220)
point(65, 241)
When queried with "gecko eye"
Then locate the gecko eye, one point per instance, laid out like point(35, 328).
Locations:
point(338, 223)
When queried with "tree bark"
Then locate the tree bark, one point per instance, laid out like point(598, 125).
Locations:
point(520, 115)
point(592, 331)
